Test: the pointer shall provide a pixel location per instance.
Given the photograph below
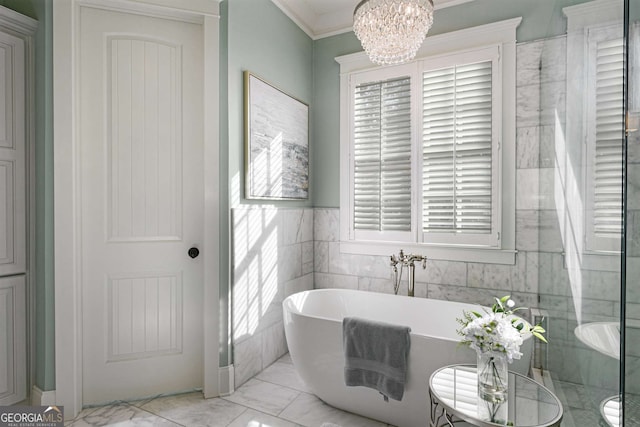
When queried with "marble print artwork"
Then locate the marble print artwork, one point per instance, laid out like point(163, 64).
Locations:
point(278, 145)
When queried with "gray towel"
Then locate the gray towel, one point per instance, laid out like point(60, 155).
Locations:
point(376, 355)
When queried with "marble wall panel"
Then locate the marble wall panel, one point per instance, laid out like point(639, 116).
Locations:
point(447, 272)
point(553, 65)
point(548, 143)
point(335, 281)
point(528, 147)
point(527, 230)
point(529, 56)
point(528, 194)
point(273, 257)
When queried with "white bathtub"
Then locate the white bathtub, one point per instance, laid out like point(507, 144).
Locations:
point(313, 327)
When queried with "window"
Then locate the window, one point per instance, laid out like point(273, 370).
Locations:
point(428, 153)
point(381, 153)
point(460, 149)
point(604, 137)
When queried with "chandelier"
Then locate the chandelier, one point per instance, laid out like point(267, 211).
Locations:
point(391, 31)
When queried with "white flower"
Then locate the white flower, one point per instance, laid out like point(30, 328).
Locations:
point(494, 332)
point(498, 330)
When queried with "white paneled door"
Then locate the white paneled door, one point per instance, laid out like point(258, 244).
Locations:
point(141, 141)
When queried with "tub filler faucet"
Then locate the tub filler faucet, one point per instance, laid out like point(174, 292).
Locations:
point(408, 261)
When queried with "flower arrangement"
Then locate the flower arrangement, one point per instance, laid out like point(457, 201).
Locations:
point(496, 336)
point(499, 330)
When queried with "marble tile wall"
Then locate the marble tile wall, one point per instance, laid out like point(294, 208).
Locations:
point(449, 280)
point(272, 259)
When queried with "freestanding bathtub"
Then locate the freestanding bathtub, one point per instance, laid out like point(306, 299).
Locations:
point(313, 327)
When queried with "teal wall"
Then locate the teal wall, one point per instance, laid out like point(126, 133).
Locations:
point(24, 7)
point(42, 290)
point(325, 180)
point(45, 377)
point(541, 19)
point(263, 40)
point(255, 36)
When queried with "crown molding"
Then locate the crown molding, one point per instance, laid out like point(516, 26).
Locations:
point(336, 21)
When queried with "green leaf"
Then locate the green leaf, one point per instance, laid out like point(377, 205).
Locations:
point(540, 337)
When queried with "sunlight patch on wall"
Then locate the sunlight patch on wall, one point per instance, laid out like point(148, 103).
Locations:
point(569, 205)
point(256, 268)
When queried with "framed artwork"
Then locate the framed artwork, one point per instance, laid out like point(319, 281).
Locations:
point(276, 142)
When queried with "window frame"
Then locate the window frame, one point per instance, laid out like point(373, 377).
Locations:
point(501, 34)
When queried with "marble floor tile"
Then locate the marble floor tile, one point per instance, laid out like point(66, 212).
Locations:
point(310, 411)
point(283, 374)
point(252, 418)
point(193, 410)
point(276, 397)
point(263, 396)
point(122, 415)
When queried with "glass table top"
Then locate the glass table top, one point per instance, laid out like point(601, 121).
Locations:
point(529, 403)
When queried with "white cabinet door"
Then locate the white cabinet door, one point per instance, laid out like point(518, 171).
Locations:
point(12, 155)
point(13, 344)
point(13, 134)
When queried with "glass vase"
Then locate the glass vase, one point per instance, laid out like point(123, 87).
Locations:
point(493, 375)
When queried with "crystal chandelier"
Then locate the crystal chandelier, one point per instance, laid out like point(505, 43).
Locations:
point(391, 31)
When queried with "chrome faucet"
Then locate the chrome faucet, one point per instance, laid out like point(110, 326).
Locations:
point(409, 261)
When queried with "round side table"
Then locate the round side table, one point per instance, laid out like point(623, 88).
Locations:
point(453, 391)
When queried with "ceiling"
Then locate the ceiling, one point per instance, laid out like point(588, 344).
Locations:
point(324, 18)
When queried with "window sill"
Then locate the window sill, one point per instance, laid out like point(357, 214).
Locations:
point(447, 253)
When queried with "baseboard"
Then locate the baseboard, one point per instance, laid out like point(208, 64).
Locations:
point(225, 380)
point(42, 398)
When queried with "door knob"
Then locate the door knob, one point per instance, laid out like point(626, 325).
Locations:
point(193, 252)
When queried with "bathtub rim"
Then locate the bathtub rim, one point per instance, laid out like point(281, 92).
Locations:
point(289, 306)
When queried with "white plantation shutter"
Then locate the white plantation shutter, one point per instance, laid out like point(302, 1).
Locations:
point(609, 124)
point(605, 119)
point(457, 178)
point(382, 155)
